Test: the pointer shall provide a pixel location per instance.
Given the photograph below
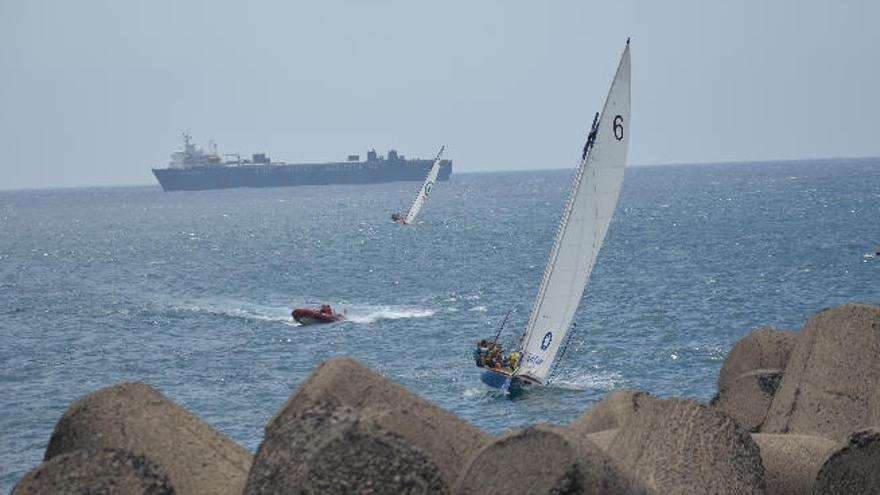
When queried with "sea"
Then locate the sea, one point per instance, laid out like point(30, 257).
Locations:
point(191, 292)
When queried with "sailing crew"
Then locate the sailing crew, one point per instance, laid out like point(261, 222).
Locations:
point(497, 356)
point(514, 360)
point(326, 309)
point(481, 352)
point(490, 357)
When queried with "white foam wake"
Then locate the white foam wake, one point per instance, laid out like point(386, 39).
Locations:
point(362, 314)
point(370, 314)
point(239, 310)
point(586, 380)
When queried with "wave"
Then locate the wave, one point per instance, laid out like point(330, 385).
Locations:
point(458, 297)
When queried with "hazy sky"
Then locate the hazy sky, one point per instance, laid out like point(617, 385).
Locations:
point(98, 92)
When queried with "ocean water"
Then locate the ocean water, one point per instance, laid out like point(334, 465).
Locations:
point(191, 292)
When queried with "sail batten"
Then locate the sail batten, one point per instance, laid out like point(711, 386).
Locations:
point(426, 188)
point(581, 231)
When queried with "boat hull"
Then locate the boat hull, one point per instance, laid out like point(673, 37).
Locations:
point(308, 316)
point(502, 380)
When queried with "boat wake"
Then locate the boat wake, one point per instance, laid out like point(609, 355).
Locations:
point(239, 310)
point(246, 311)
point(586, 380)
point(371, 314)
point(474, 393)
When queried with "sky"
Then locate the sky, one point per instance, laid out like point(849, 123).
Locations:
point(96, 93)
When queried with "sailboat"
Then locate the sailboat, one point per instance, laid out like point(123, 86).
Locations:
point(422, 196)
point(582, 230)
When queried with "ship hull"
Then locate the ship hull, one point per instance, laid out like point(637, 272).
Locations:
point(200, 178)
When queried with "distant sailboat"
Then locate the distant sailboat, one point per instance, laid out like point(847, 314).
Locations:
point(422, 196)
point(581, 232)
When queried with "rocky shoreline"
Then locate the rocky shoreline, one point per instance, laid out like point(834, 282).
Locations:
point(794, 413)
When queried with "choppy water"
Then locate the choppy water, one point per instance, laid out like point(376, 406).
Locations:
point(191, 292)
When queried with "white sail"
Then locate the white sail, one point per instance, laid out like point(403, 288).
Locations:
point(581, 231)
point(426, 188)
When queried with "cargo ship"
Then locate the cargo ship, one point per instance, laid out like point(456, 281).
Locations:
point(192, 169)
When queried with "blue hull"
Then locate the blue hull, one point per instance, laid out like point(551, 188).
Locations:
point(502, 381)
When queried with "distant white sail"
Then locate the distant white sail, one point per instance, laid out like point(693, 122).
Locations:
point(581, 231)
point(422, 196)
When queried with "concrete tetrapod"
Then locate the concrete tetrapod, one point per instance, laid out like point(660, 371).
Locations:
point(603, 439)
point(447, 440)
point(764, 348)
point(83, 472)
point(137, 418)
point(611, 412)
point(792, 461)
point(747, 398)
point(853, 469)
point(831, 385)
point(682, 446)
point(543, 459)
point(332, 449)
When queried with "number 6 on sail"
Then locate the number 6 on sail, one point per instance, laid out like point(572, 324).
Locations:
point(581, 231)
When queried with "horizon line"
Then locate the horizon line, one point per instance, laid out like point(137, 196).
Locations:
point(639, 165)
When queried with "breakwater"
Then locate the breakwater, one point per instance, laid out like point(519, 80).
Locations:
point(794, 413)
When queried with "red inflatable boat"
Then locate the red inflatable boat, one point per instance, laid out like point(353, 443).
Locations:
point(309, 316)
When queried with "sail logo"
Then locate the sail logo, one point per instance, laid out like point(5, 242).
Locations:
point(428, 186)
point(535, 360)
point(546, 341)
